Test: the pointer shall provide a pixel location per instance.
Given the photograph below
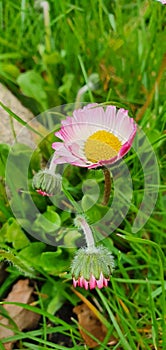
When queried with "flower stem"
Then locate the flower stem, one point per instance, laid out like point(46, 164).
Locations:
point(52, 166)
point(80, 221)
point(71, 200)
point(107, 187)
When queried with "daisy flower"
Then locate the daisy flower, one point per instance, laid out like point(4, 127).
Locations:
point(94, 136)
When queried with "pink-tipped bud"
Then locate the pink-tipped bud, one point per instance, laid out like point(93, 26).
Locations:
point(47, 183)
point(92, 267)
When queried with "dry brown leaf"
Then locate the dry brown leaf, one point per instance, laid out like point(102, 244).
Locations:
point(22, 293)
point(91, 323)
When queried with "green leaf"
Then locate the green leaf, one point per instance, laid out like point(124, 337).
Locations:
point(55, 303)
point(32, 85)
point(54, 262)
point(55, 298)
point(96, 213)
point(17, 171)
point(87, 202)
point(153, 135)
point(9, 71)
point(3, 231)
point(33, 252)
point(66, 87)
point(65, 215)
point(71, 237)
point(52, 58)
point(35, 161)
point(5, 212)
point(48, 222)
point(15, 235)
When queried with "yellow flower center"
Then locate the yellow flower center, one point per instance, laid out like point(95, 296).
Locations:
point(102, 145)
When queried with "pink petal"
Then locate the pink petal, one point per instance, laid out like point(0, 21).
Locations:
point(79, 163)
point(124, 125)
point(105, 282)
point(91, 113)
point(81, 281)
point(64, 158)
point(64, 155)
point(76, 148)
point(85, 284)
point(100, 281)
point(95, 165)
point(65, 133)
point(124, 149)
point(67, 121)
point(43, 193)
point(92, 117)
point(59, 135)
point(75, 283)
point(76, 131)
point(110, 116)
point(57, 145)
point(92, 282)
point(67, 154)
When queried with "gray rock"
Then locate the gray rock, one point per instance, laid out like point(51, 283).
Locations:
point(9, 127)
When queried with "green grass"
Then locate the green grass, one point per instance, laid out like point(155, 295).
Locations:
point(45, 66)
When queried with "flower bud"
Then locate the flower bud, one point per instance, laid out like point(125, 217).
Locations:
point(46, 183)
point(92, 267)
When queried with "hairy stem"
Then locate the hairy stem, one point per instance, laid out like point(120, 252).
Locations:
point(80, 221)
point(52, 166)
point(107, 186)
